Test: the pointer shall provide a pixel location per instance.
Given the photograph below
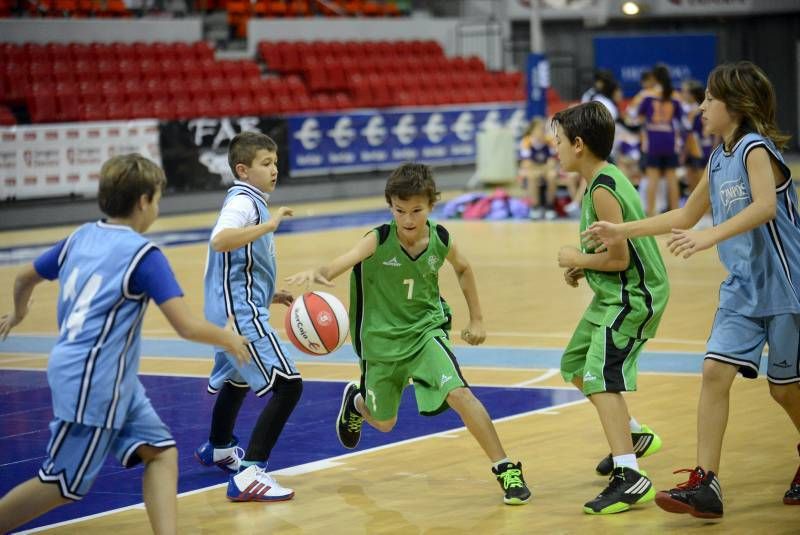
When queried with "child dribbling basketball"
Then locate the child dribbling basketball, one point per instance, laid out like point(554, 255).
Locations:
point(399, 324)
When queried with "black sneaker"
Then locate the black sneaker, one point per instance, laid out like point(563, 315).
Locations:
point(348, 424)
point(792, 496)
point(626, 487)
point(509, 475)
point(701, 496)
point(645, 443)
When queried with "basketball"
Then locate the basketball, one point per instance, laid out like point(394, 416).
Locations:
point(317, 323)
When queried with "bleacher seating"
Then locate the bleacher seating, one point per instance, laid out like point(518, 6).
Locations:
point(105, 81)
point(388, 73)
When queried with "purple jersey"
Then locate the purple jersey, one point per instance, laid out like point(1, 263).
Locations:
point(662, 125)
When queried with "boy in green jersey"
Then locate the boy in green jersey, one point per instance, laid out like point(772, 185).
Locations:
point(399, 324)
point(630, 288)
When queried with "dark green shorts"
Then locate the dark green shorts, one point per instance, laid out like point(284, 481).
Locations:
point(605, 359)
point(433, 371)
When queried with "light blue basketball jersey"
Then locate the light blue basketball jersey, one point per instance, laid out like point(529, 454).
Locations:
point(241, 283)
point(764, 263)
point(93, 366)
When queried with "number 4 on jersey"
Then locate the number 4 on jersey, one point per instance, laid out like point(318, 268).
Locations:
point(74, 322)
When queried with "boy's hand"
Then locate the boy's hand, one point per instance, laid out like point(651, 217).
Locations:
point(275, 220)
point(602, 232)
point(474, 333)
point(283, 297)
point(307, 277)
point(285, 211)
point(568, 256)
point(572, 276)
point(236, 345)
point(688, 242)
point(11, 320)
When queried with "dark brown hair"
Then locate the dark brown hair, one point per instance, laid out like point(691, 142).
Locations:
point(124, 179)
point(747, 93)
point(592, 122)
point(245, 145)
point(409, 180)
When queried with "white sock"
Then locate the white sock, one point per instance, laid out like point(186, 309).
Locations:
point(501, 461)
point(636, 427)
point(628, 460)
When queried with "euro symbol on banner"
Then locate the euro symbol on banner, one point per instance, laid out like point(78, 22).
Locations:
point(375, 131)
point(405, 130)
point(343, 133)
point(464, 128)
point(435, 128)
point(309, 134)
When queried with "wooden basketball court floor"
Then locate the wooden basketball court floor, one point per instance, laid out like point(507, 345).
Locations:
point(441, 483)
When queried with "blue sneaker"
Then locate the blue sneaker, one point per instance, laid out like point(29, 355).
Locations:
point(228, 459)
point(254, 484)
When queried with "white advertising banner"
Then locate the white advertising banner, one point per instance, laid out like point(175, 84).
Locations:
point(65, 159)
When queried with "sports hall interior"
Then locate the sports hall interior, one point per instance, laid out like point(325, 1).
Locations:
point(78, 63)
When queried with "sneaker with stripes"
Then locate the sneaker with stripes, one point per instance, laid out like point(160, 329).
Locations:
point(227, 459)
point(645, 443)
point(254, 484)
point(700, 496)
point(626, 487)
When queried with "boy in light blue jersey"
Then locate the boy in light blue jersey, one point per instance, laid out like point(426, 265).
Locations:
point(756, 230)
point(108, 272)
point(240, 283)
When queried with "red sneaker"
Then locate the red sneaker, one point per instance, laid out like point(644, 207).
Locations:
point(792, 496)
point(701, 496)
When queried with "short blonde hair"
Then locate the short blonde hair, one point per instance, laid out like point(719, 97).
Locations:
point(124, 179)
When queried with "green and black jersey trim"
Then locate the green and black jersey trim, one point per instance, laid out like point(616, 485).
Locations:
point(608, 182)
point(356, 336)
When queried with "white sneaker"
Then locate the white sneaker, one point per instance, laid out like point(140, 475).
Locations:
point(228, 459)
point(254, 484)
point(536, 213)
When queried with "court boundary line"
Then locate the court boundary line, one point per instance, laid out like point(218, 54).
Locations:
point(342, 364)
point(329, 460)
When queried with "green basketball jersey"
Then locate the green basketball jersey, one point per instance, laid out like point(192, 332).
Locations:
point(395, 305)
point(630, 301)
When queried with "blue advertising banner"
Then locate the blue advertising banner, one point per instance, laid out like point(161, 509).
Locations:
point(687, 56)
point(536, 83)
point(366, 140)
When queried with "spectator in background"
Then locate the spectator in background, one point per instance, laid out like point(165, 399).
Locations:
point(699, 142)
point(538, 165)
point(661, 116)
point(602, 77)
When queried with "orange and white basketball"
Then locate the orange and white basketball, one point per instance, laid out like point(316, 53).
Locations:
point(317, 323)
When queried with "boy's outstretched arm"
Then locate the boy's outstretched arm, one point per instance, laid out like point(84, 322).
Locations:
point(325, 274)
point(230, 239)
point(195, 329)
point(764, 176)
point(24, 284)
point(474, 333)
point(609, 233)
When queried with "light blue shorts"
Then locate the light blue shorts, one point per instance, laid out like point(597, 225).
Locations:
point(268, 359)
point(76, 452)
point(740, 340)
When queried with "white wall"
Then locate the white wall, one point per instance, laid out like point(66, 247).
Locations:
point(105, 30)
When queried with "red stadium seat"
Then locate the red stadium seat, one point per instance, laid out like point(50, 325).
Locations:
point(42, 108)
point(68, 107)
point(93, 112)
point(163, 109)
point(6, 117)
